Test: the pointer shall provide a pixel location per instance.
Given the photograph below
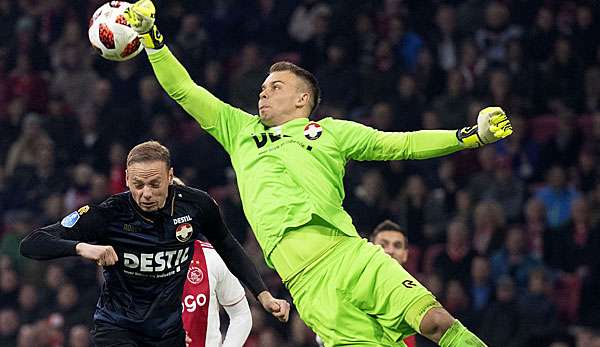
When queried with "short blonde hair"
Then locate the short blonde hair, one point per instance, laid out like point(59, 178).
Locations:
point(149, 151)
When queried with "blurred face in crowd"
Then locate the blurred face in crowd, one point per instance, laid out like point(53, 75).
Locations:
point(282, 95)
point(394, 244)
point(148, 182)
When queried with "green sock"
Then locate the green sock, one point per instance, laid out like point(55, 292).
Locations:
point(459, 336)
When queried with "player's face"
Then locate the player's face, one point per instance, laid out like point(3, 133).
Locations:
point(282, 94)
point(148, 183)
point(394, 244)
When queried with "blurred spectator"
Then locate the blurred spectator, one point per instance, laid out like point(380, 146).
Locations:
point(410, 207)
point(500, 322)
point(368, 200)
point(78, 194)
point(337, 78)
point(584, 30)
point(494, 36)
point(488, 227)
point(379, 80)
point(480, 284)
point(79, 336)
point(537, 313)
point(452, 105)
point(406, 43)
point(574, 246)
point(408, 105)
point(25, 150)
point(513, 259)
point(72, 72)
point(192, 42)
point(535, 224)
point(30, 309)
point(9, 327)
point(70, 307)
point(455, 262)
point(562, 75)
point(506, 189)
point(302, 23)
point(556, 196)
point(28, 336)
point(249, 73)
point(428, 75)
point(541, 35)
point(445, 38)
point(9, 288)
point(479, 181)
point(17, 224)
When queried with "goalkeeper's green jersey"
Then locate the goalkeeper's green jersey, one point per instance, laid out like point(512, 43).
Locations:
point(289, 173)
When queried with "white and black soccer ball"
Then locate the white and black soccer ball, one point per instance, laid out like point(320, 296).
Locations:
point(111, 35)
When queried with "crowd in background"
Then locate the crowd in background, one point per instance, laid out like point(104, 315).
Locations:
point(506, 236)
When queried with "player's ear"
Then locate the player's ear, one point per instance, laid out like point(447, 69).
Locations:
point(127, 179)
point(171, 175)
point(303, 99)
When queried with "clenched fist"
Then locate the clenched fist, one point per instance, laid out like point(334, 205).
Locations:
point(102, 255)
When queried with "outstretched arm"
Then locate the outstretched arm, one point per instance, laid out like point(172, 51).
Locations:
point(360, 142)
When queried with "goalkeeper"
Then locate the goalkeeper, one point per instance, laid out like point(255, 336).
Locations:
point(290, 175)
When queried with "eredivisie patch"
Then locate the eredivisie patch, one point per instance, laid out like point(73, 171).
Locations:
point(312, 131)
point(183, 232)
point(72, 218)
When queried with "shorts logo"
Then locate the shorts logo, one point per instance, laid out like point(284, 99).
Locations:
point(409, 284)
point(70, 220)
point(195, 274)
point(312, 131)
point(183, 232)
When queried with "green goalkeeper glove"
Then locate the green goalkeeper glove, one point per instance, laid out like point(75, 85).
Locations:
point(492, 125)
point(140, 17)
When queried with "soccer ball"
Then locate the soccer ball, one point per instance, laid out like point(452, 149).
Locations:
point(111, 35)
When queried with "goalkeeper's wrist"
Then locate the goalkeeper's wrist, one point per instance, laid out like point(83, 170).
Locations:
point(469, 137)
point(152, 39)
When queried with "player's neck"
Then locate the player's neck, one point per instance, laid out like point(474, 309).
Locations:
point(288, 118)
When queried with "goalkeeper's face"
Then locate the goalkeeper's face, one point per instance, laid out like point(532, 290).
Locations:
point(283, 97)
point(393, 243)
point(148, 182)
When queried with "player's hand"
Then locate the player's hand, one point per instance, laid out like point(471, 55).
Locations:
point(492, 125)
point(102, 255)
point(188, 340)
point(141, 17)
point(279, 308)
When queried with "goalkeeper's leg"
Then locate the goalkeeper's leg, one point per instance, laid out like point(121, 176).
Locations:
point(439, 326)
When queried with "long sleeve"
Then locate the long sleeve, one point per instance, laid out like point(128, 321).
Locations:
point(240, 324)
point(59, 239)
point(231, 251)
point(360, 142)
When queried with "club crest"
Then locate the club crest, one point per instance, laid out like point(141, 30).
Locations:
point(183, 232)
point(195, 274)
point(312, 131)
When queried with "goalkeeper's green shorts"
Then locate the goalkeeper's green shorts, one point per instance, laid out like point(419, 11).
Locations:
point(356, 295)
